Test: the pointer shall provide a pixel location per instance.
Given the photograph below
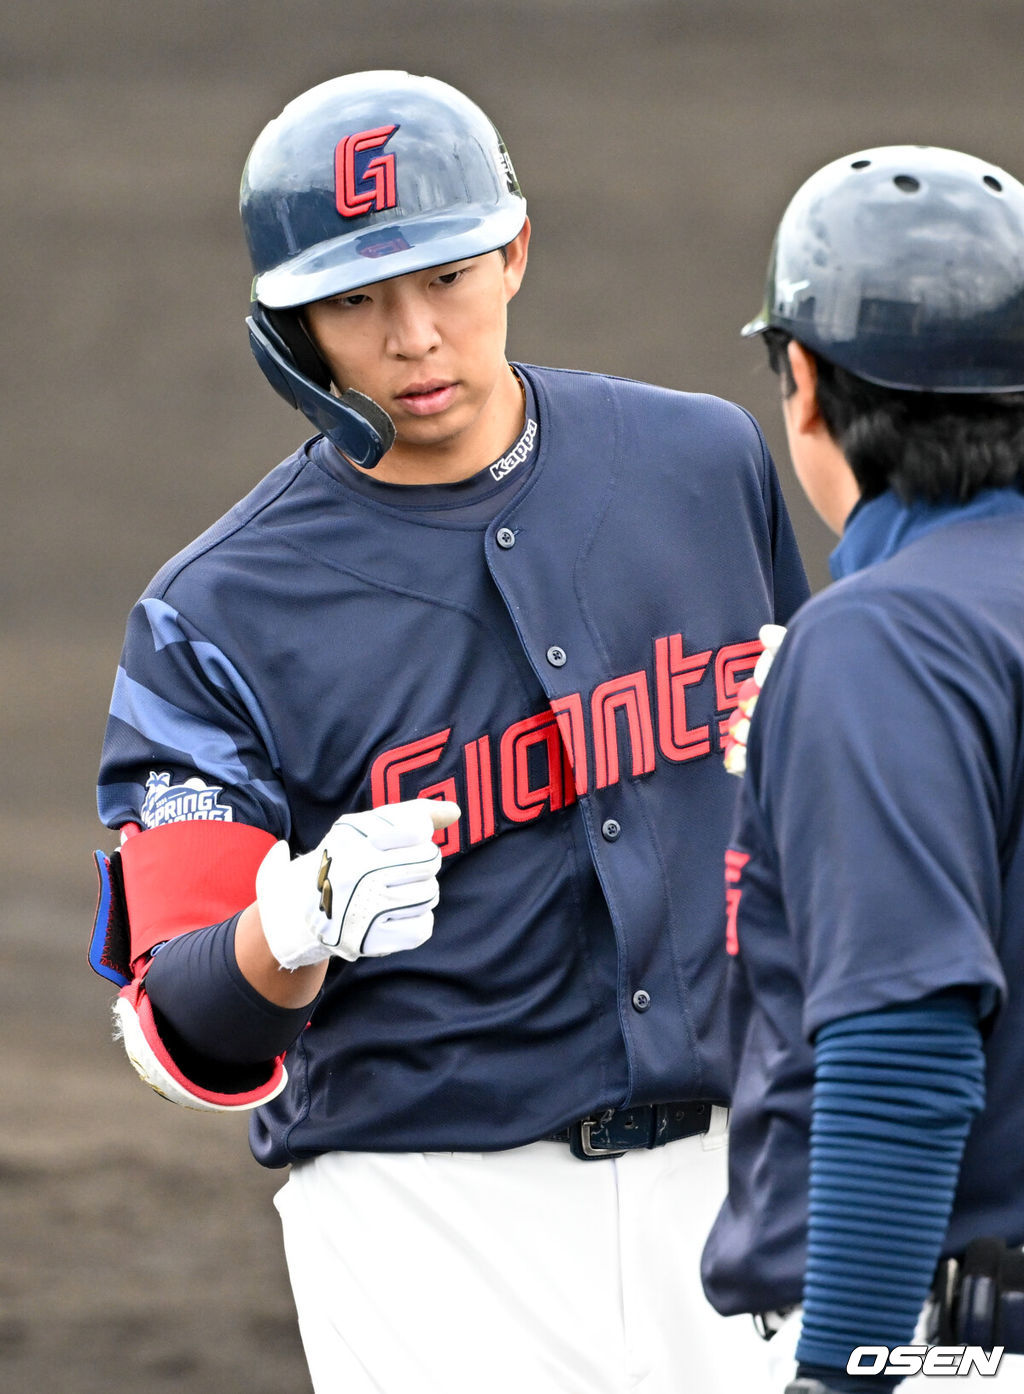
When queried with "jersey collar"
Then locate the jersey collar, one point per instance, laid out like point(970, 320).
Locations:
point(882, 526)
point(497, 478)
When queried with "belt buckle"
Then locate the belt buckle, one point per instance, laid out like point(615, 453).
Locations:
point(581, 1143)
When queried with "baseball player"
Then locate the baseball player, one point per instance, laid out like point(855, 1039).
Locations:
point(415, 756)
point(876, 872)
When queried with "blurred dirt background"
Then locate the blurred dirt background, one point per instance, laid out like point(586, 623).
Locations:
point(657, 141)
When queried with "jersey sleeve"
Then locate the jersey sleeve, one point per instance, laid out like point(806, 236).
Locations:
point(186, 737)
point(870, 758)
point(189, 759)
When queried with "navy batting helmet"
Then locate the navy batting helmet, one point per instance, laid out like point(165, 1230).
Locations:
point(362, 178)
point(905, 266)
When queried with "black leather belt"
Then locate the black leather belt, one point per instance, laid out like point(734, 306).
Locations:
point(615, 1131)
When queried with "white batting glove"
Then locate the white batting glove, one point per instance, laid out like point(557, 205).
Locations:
point(368, 889)
point(738, 728)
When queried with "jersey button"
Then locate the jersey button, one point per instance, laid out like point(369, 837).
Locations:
point(505, 537)
point(556, 656)
point(610, 829)
point(641, 999)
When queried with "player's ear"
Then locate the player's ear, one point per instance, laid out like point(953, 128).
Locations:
point(515, 260)
point(803, 412)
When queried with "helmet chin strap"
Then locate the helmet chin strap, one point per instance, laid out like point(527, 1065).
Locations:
point(355, 424)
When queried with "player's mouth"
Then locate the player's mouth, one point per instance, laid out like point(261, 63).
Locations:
point(427, 398)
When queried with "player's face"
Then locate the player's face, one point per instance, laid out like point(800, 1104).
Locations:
point(429, 347)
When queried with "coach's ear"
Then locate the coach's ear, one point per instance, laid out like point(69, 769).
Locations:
point(803, 416)
point(818, 461)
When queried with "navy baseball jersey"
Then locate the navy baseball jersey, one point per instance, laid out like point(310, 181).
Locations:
point(878, 858)
point(556, 644)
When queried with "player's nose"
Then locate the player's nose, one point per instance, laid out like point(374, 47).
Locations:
point(412, 328)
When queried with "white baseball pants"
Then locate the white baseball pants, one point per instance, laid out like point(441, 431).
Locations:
point(518, 1272)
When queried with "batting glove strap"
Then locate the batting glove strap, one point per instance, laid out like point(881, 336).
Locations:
point(368, 889)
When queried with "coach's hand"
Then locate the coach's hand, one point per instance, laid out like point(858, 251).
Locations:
point(738, 728)
point(369, 888)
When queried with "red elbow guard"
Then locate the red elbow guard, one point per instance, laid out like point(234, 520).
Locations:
point(184, 876)
point(160, 884)
point(167, 881)
point(155, 1065)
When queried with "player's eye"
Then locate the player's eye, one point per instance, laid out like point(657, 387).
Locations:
point(347, 302)
point(449, 278)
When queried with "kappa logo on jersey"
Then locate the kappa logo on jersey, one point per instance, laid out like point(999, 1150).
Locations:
point(544, 762)
point(519, 452)
point(175, 803)
point(363, 180)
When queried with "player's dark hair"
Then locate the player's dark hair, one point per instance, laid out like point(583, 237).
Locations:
point(923, 445)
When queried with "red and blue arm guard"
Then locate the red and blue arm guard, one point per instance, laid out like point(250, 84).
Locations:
point(160, 884)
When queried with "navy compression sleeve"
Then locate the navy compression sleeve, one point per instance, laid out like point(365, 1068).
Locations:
point(197, 989)
point(894, 1096)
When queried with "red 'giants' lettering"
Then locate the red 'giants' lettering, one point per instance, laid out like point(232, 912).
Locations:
point(544, 762)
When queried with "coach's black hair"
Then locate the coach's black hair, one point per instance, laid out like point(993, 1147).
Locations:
point(923, 445)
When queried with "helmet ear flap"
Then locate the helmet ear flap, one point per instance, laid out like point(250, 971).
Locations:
point(354, 423)
point(287, 332)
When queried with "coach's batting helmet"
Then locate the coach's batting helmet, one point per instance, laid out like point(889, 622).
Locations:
point(362, 178)
point(905, 265)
